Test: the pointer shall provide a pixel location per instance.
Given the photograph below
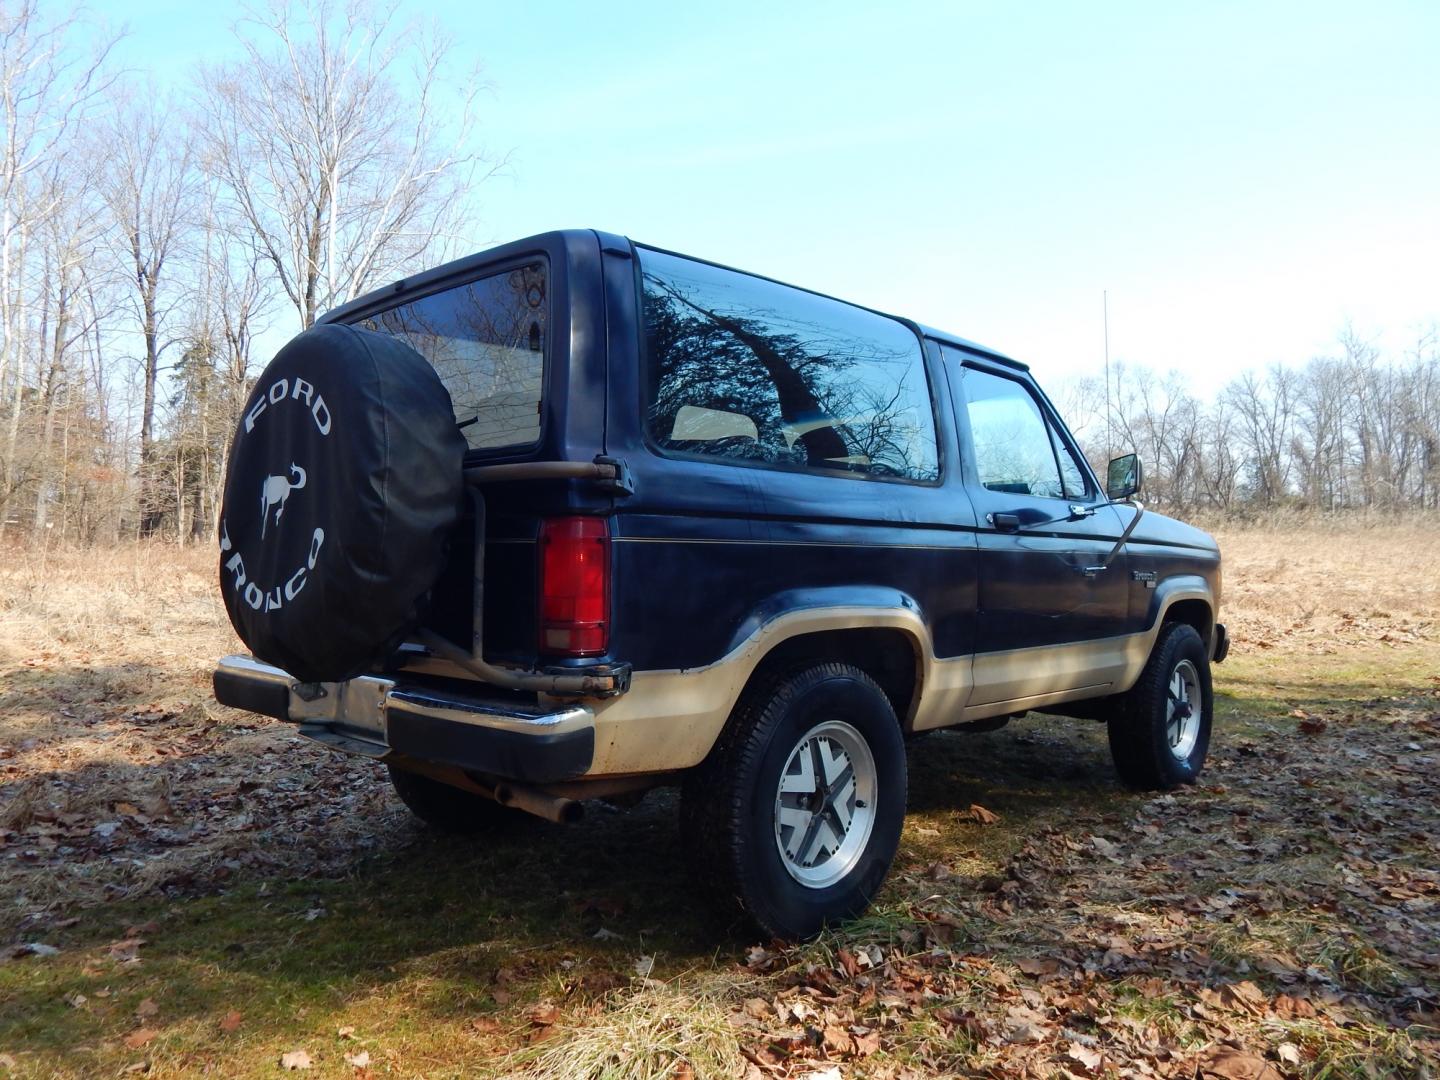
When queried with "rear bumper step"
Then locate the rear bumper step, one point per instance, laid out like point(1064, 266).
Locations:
point(374, 716)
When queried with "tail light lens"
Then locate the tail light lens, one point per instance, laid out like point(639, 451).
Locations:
point(574, 586)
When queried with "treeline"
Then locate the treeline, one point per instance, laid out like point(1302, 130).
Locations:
point(147, 238)
point(1353, 431)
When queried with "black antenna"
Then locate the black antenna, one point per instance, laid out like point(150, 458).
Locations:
point(1109, 424)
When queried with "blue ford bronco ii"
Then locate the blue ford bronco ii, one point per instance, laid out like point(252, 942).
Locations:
point(575, 518)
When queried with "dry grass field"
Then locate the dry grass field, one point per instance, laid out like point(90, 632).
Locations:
point(188, 890)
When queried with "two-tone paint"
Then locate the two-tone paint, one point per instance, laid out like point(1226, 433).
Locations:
point(718, 564)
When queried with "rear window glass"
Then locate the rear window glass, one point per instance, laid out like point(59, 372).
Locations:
point(751, 370)
point(487, 342)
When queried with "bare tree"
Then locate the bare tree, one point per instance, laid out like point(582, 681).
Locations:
point(149, 186)
point(337, 146)
point(68, 243)
point(227, 310)
point(47, 85)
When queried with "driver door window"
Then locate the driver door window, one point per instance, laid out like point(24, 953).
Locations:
point(1014, 452)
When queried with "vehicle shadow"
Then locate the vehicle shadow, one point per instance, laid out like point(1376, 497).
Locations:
point(535, 909)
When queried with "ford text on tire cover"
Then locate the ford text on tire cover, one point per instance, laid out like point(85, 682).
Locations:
point(577, 518)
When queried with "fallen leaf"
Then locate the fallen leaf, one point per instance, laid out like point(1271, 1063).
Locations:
point(758, 1008)
point(1222, 1063)
point(230, 1022)
point(832, 1073)
point(138, 1038)
point(33, 948)
point(126, 951)
point(683, 1070)
point(644, 966)
point(1104, 847)
point(1091, 1059)
point(346, 1032)
point(837, 1040)
point(979, 814)
point(1292, 1008)
point(485, 1025)
point(146, 1009)
point(542, 1014)
point(295, 1060)
point(1038, 967)
point(360, 1060)
point(76, 1000)
point(1288, 1053)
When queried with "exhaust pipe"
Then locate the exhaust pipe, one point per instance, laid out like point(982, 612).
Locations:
point(554, 808)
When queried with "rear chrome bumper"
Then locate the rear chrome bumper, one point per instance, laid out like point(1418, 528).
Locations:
point(377, 717)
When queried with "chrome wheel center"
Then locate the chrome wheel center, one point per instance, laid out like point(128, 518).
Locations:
point(1182, 720)
point(825, 804)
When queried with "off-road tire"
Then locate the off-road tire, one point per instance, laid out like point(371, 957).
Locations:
point(729, 802)
point(449, 809)
point(1141, 729)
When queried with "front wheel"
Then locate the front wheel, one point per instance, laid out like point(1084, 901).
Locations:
point(1161, 733)
point(796, 813)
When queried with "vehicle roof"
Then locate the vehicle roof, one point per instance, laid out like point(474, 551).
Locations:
point(965, 343)
point(456, 268)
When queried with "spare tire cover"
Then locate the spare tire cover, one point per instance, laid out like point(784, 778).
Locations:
point(345, 480)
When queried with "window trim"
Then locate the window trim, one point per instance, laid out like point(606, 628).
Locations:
point(643, 383)
point(547, 358)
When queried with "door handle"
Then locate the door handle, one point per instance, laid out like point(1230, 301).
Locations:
point(1005, 522)
point(1090, 571)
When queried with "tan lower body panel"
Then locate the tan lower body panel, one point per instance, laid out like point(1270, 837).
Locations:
point(670, 719)
point(1031, 678)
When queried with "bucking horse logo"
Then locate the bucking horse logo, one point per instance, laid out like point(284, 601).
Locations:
point(274, 491)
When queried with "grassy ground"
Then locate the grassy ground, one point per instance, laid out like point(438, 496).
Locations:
point(222, 895)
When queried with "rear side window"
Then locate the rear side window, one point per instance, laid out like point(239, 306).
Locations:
point(749, 370)
point(487, 342)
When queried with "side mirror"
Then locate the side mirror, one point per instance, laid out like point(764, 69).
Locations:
point(1123, 478)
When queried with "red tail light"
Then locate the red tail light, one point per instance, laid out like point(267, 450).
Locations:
point(574, 586)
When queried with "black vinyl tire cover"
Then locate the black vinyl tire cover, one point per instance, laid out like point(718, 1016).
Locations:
point(344, 483)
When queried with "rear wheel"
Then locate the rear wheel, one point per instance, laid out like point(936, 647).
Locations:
point(450, 809)
point(796, 813)
point(1161, 733)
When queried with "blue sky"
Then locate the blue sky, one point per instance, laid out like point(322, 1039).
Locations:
point(1242, 178)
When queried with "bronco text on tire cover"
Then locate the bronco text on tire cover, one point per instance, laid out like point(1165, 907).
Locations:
point(344, 483)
